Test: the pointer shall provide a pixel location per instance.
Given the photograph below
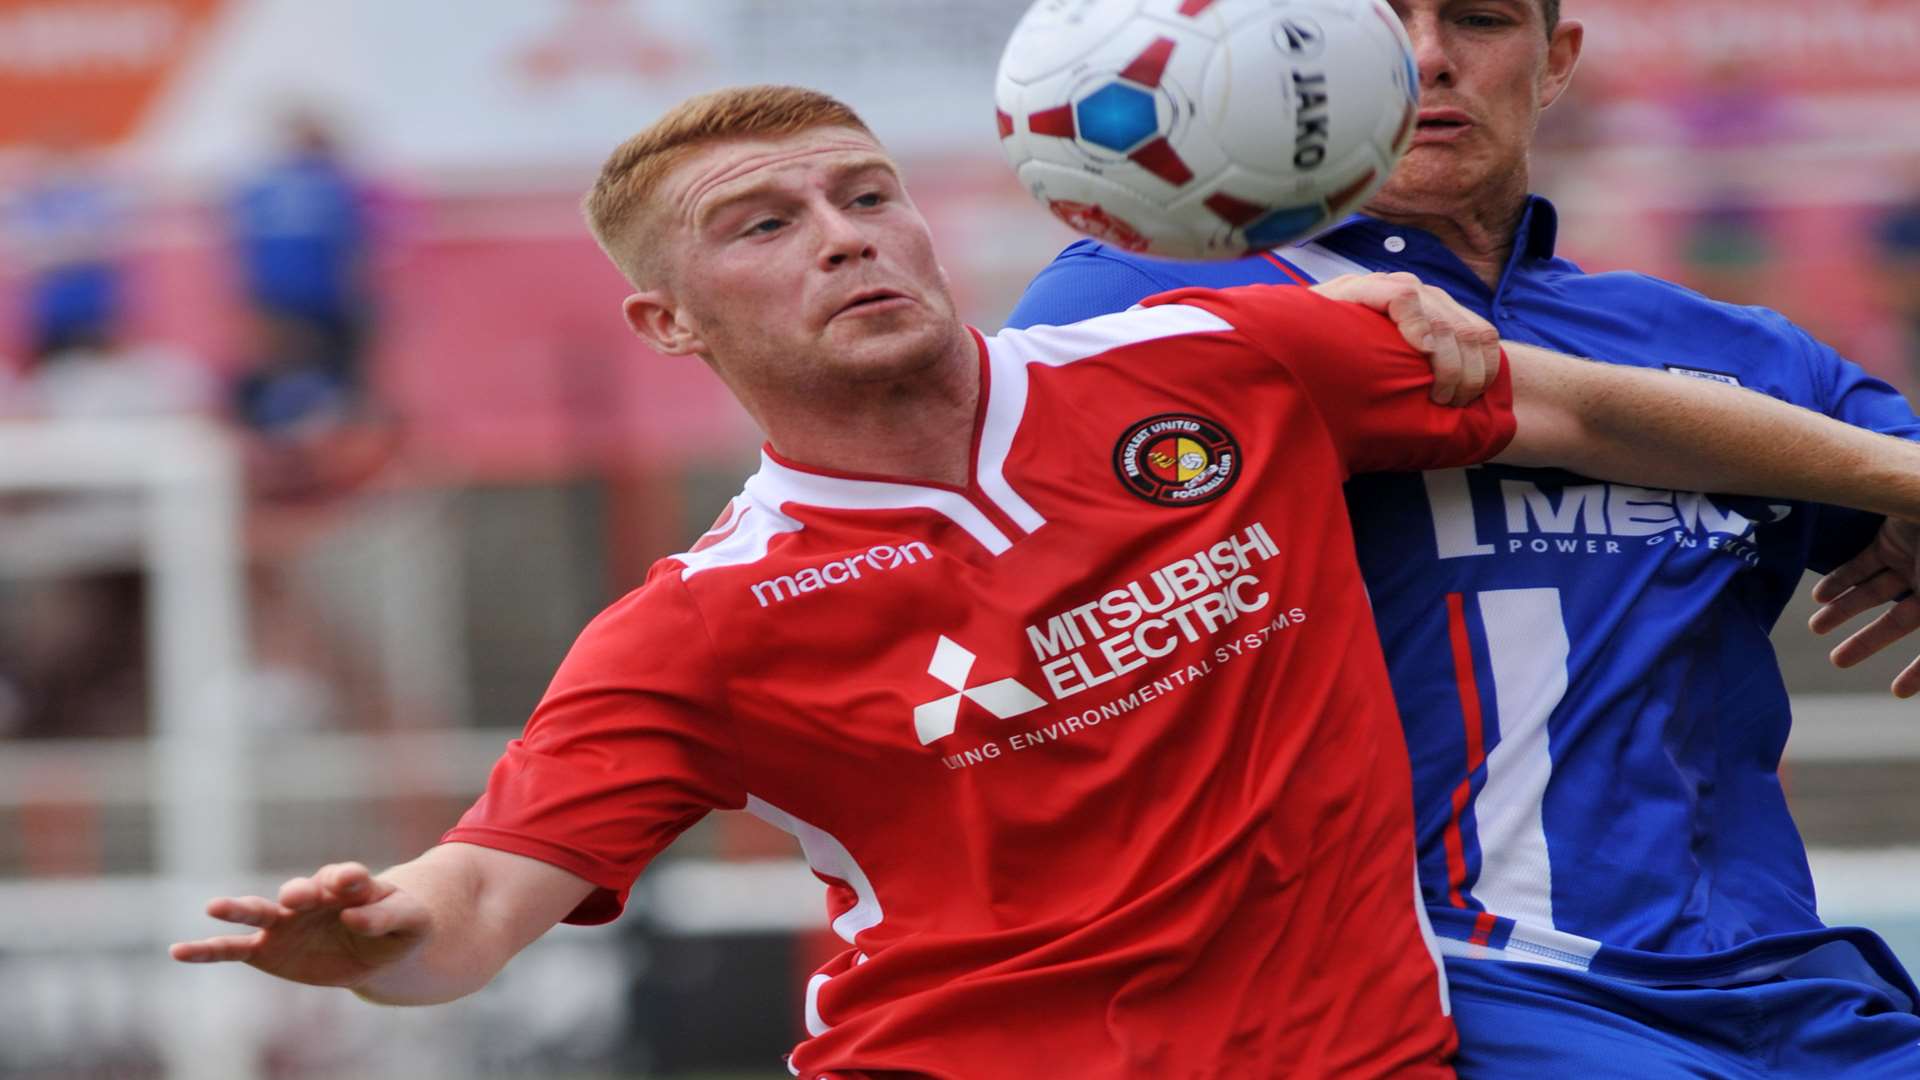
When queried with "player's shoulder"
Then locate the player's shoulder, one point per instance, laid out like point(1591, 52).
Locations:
point(674, 606)
point(1696, 334)
point(786, 533)
point(751, 527)
point(790, 530)
point(1679, 309)
point(1274, 314)
point(1086, 253)
point(1092, 256)
point(1159, 317)
point(1090, 278)
point(1256, 297)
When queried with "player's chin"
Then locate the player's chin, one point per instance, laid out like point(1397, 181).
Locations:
point(881, 352)
point(1437, 171)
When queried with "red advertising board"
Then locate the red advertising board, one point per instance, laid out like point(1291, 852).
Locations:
point(84, 72)
point(1648, 47)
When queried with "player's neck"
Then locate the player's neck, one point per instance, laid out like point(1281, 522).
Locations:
point(918, 428)
point(1478, 226)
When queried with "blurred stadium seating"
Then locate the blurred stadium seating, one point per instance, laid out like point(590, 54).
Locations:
point(228, 654)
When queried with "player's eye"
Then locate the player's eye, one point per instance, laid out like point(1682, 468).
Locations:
point(1483, 21)
point(869, 200)
point(765, 227)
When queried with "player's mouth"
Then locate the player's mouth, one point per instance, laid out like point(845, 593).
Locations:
point(1441, 125)
point(872, 302)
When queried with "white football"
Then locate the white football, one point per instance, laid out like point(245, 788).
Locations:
point(1205, 129)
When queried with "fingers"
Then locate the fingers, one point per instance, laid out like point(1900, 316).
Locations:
point(1356, 288)
point(1893, 624)
point(397, 912)
point(372, 920)
point(1479, 361)
point(1474, 341)
point(1847, 575)
point(257, 911)
point(1463, 348)
point(333, 885)
point(1864, 596)
point(350, 881)
point(1376, 292)
point(1907, 683)
point(367, 905)
point(215, 950)
point(1449, 367)
point(1413, 315)
point(1413, 312)
point(300, 894)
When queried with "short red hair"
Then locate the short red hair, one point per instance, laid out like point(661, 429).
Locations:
point(625, 188)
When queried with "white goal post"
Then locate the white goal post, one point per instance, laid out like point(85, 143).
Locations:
point(186, 476)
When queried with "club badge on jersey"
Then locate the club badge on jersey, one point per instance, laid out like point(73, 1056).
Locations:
point(1177, 459)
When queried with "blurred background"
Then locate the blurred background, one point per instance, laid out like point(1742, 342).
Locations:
point(321, 436)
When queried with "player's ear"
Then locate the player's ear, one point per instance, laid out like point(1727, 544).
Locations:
point(658, 321)
point(1563, 55)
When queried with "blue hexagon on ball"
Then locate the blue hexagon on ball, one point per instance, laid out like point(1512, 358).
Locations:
point(1283, 226)
point(1117, 117)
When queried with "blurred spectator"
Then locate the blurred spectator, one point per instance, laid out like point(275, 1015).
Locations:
point(294, 389)
point(1897, 243)
point(66, 224)
point(1729, 247)
point(302, 227)
point(1728, 243)
point(1733, 105)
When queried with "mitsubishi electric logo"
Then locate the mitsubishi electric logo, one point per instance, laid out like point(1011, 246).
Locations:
point(952, 663)
point(1176, 626)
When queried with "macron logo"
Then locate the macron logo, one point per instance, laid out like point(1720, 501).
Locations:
point(840, 571)
point(952, 663)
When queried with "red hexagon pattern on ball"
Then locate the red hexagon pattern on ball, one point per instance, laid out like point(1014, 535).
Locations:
point(1094, 221)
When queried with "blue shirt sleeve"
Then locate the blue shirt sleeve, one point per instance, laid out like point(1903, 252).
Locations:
point(1852, 395)
point(1084, 281)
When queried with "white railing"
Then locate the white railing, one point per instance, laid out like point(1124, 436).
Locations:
point(186, 477)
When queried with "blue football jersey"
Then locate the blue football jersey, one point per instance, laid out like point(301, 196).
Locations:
point(1592, 705)
point(302, 230)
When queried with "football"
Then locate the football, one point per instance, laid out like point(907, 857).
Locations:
point(1205, 129)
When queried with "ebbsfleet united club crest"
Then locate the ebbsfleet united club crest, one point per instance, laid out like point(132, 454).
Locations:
point(1177, 459)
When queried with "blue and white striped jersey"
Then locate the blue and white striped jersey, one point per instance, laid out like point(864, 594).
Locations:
point(1593, 708)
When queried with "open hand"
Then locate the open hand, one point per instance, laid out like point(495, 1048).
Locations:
point(336, 928)
point(1887, 572)
point(1463, 347)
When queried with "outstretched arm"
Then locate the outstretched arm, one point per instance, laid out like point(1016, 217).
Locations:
point(426, 931)
point(1622, 423)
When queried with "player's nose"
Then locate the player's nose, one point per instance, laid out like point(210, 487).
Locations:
point(842, 239)
point(1430, 52)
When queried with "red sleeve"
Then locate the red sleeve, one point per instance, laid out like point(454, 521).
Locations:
point(629, 746)
point(1369, 386)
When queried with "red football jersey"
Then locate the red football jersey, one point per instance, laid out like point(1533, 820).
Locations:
point(1097, 754)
